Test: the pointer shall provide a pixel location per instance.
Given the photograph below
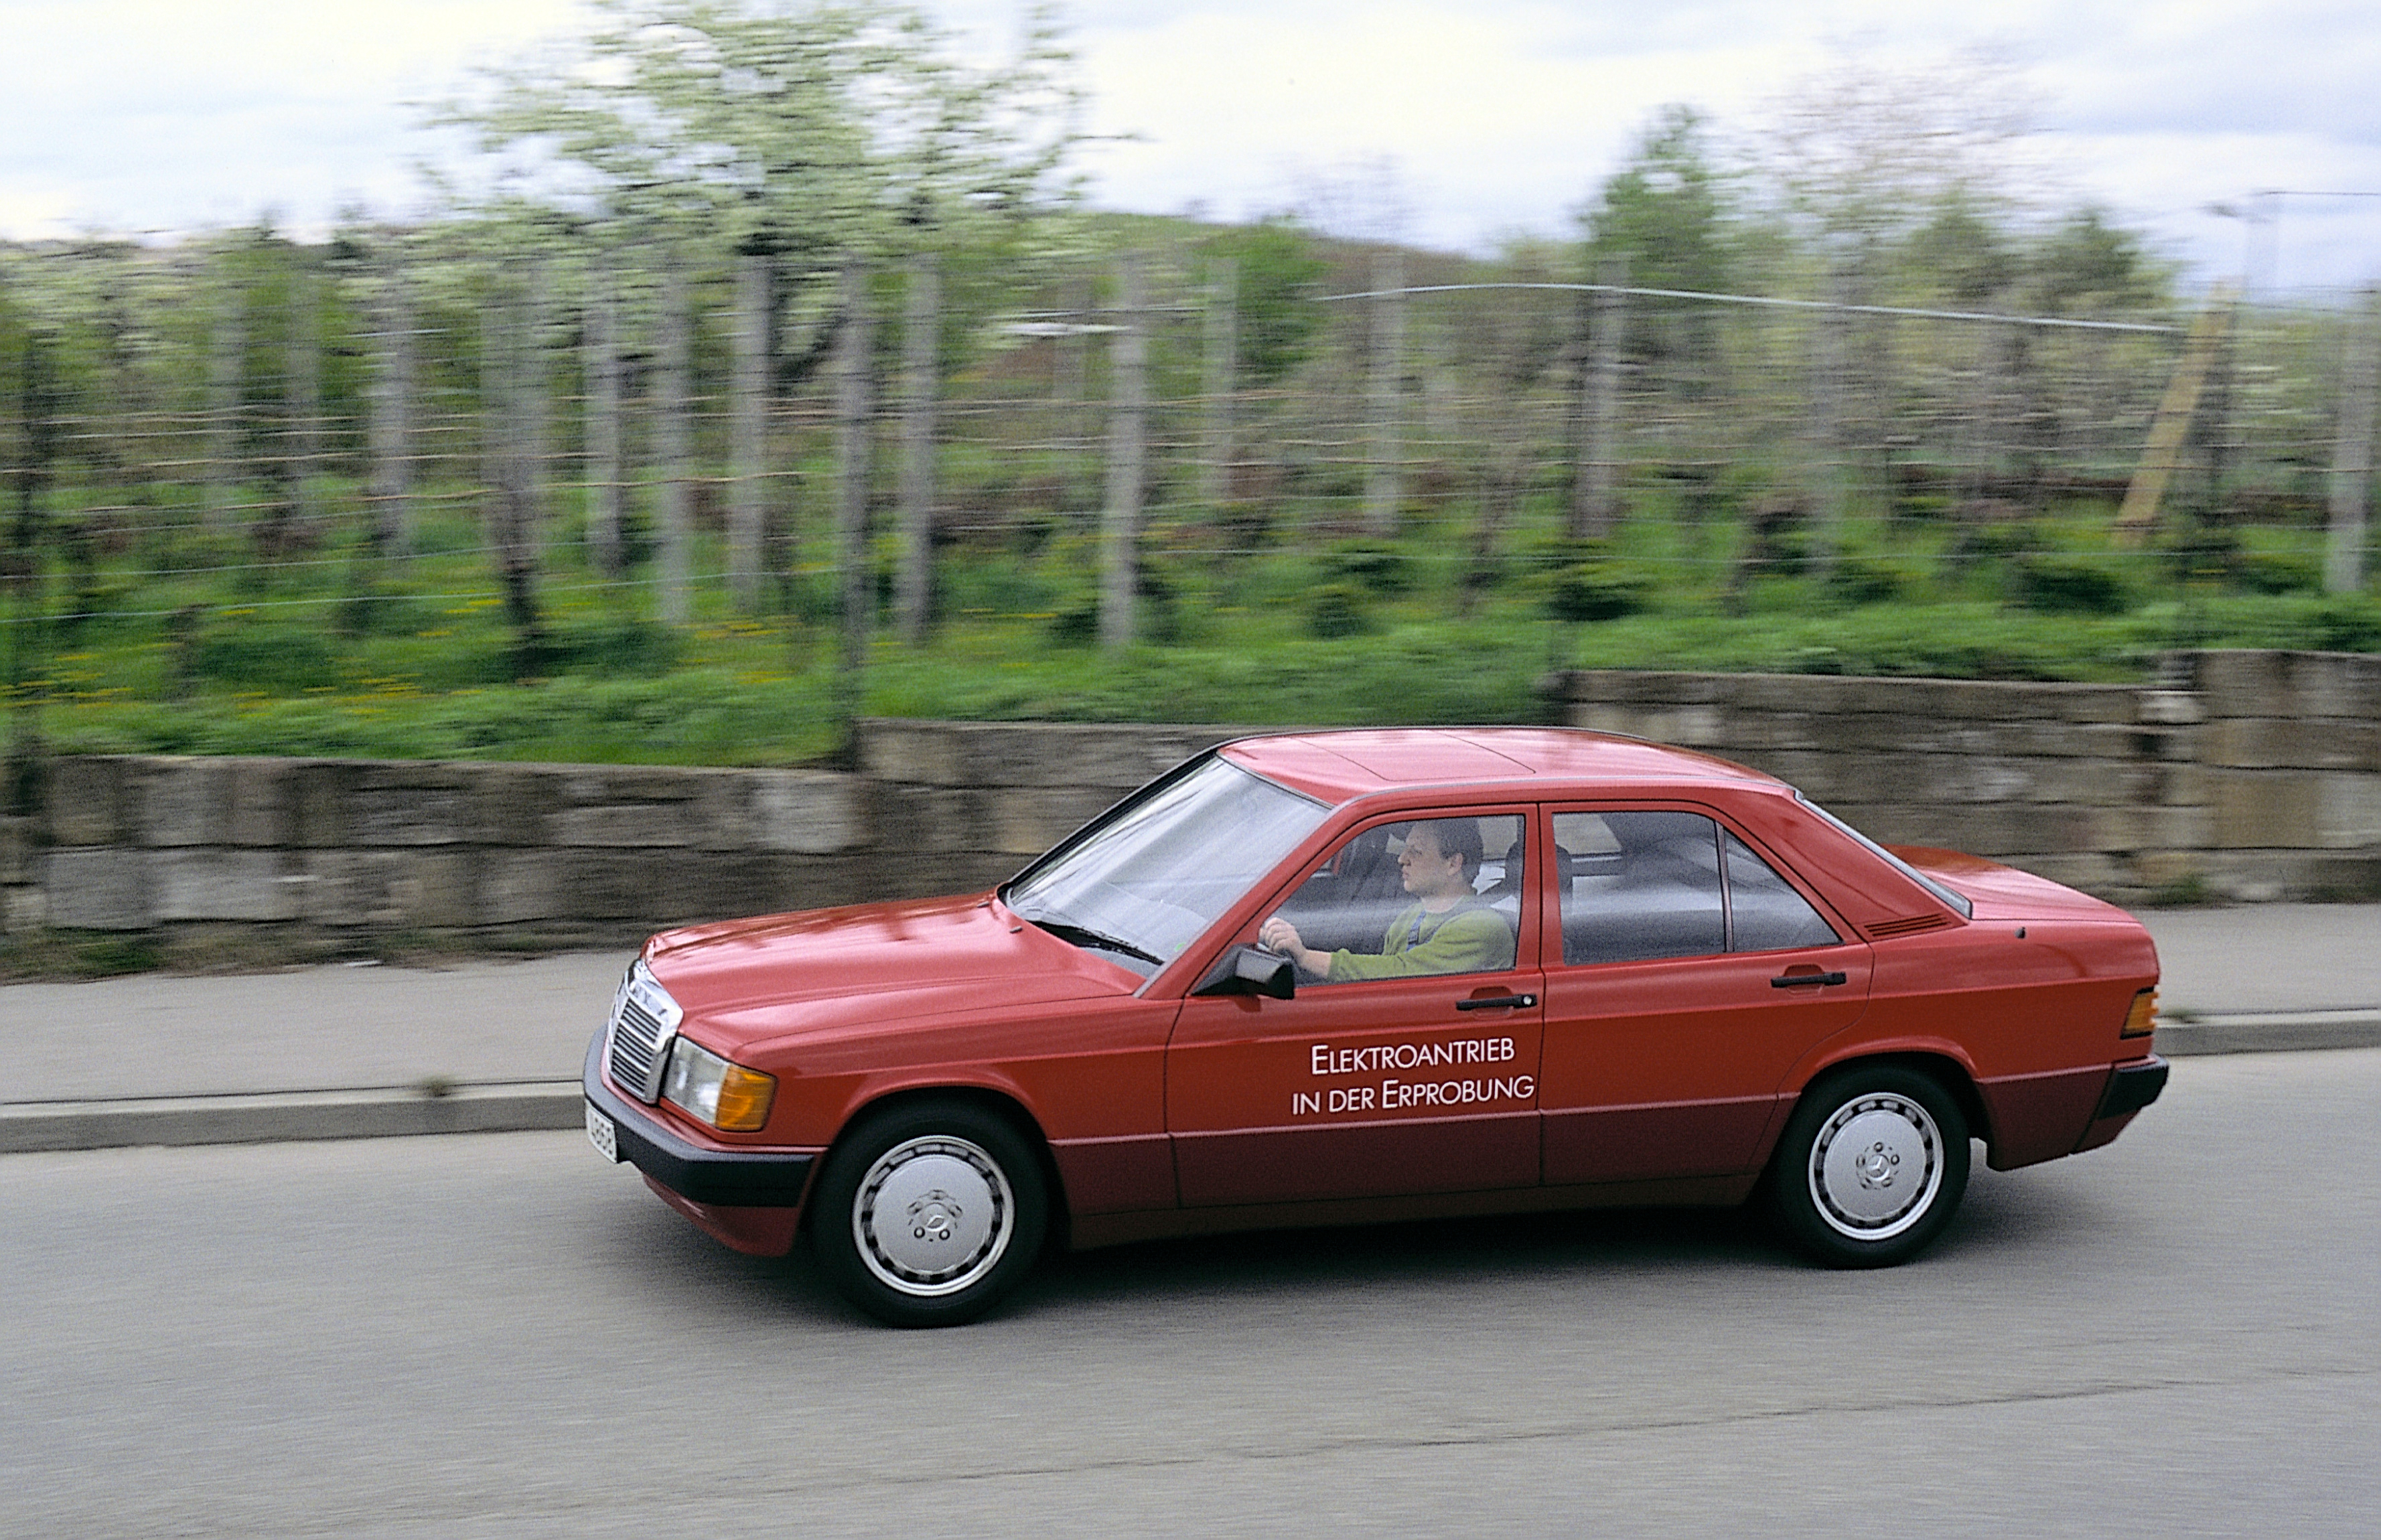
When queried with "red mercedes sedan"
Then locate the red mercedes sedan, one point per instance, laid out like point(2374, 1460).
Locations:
point(1345, 977)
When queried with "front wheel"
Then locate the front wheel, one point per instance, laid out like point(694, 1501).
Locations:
point(1871, 1167)
point(927, 1214)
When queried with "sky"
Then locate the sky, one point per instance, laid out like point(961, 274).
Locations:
point(1450, 122)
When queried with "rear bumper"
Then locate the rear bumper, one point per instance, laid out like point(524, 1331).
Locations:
point(734, 1178)
point(2040, 1116)
point(2132, 1087)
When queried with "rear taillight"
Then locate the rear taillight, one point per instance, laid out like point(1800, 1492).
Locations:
point(2142, 1020)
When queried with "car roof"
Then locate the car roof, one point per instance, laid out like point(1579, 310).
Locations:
point(1341, 766)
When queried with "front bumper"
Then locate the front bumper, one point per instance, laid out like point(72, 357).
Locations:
point(734, 1178)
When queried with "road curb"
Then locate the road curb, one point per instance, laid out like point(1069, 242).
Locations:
point(372, 1112)
point(2269, 1032)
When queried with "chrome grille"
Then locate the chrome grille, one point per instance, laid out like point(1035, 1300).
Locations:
point(644, 1019)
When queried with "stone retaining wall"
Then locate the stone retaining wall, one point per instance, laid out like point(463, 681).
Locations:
point(2247, 775)
point(135, 843)
point(2250, 775)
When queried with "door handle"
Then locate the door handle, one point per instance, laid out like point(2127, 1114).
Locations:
point(1794, 980)
point(1497, 1002)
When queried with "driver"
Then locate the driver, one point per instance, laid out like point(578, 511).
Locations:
point(1447, 929)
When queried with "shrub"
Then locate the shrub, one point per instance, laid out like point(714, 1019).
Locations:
point(2071, 586)
point(1596, 589)
point(1337, 610)
point(265, 657)
point(614, 649)
point(2351, 622)
point(997, 584)
point(1160, 620)
point(1241, 525)
point(2265, 572)
point(1375, 565)
point(1078, 626)
point(2205, 553)
point(380, 614)
point(1858, 580)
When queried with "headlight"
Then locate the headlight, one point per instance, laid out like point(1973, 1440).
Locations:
point(726, 1095)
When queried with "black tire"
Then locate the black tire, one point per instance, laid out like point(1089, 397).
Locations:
point(1871, 1167)
point(928, 1212)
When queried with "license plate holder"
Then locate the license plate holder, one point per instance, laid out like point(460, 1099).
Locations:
point(603, 1134)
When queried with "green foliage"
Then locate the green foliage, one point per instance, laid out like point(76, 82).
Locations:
point(2070, 585)
point(2089, 265)
point(1375, 567)
point(995, 583)
point(615, 648)
point(1969, 255)
point(112, 956)
point(1664, 214)
point(820, 129)
point(1077, 625)
point(245, 652)
point(2205, 553)
point(1663, 222)
point(1859, 580)
point(1275, 276)
point(2346, 622)
point(1337, 609)
point(1597, 589)
point(2273, 571)
point(1243, 525)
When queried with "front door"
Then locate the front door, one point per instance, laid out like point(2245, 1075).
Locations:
point(1408, 1060)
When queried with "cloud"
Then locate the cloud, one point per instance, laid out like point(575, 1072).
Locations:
point(1498, 113)
point(147, 112)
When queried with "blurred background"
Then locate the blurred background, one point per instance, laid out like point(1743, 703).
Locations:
point(733, 369)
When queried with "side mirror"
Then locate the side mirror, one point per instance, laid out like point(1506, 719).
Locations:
point(1246, 970)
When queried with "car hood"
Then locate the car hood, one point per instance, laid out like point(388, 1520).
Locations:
point(791, 975)
point(2002, 892)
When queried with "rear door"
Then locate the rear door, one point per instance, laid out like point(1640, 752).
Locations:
point(1685, 975)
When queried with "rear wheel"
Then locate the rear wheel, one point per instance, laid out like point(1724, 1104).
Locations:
point(928, 1213)
point(1871, 1167)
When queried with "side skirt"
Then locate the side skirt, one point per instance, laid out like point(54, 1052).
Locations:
point(1089, 1232)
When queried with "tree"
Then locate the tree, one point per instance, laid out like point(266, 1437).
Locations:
point(1666, 211)
point(808, 127)
point(1962, 252)
point(1276, 274)
point(1860, 154)
point(802, 135)
point(2087, 264)
point(1663, 221)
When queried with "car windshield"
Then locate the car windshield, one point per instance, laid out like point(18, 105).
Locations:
point(1147, 879)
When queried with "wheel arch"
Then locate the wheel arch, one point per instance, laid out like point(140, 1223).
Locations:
point(1946, 1069)
point(1000, 1104)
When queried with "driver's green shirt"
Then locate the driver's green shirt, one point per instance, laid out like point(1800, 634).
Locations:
point(1470, 938)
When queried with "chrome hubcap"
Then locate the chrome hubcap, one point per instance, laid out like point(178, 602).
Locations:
point(933, 1215)
point(1877, 1166)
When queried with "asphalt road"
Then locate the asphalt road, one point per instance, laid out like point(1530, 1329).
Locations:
point(496, 1336)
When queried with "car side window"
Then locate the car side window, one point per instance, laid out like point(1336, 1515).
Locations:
point(1637, 886)
point(1427, 896)
point(1765, 913)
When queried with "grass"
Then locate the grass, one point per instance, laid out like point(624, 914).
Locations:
point(193, 650)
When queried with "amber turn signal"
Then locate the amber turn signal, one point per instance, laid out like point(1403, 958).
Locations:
point(2142, 1020)
point(744, 1098)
